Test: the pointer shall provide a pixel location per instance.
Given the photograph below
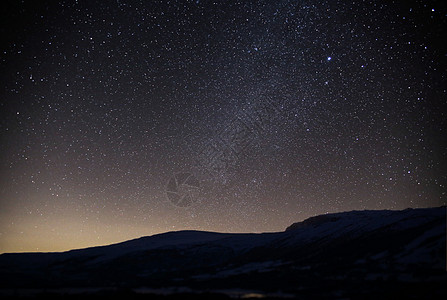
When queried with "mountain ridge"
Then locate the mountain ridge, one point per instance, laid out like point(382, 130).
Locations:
point(357, 247)
point(313, 220)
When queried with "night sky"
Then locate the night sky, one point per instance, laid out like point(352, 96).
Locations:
point(122, 119)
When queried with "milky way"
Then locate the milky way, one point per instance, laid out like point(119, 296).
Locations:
point(129, 118)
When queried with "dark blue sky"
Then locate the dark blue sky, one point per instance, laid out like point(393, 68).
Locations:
point(128, 118)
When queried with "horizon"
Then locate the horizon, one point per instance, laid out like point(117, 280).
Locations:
point(368, 253)
point(223, 232)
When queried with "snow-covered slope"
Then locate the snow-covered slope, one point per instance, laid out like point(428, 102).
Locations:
point(406, 245)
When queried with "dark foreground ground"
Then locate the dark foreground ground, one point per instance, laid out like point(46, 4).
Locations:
point(335, 290)
point(376, 290)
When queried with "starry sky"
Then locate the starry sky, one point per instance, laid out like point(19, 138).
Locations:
point(122, 119)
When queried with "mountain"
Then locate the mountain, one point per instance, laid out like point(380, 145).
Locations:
point(343, 255)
